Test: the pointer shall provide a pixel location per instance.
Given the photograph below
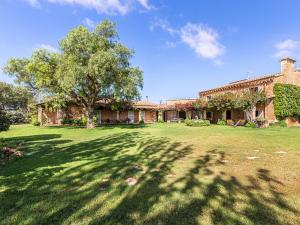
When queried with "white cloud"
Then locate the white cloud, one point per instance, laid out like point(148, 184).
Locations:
point(287, 45)
point(46, 47)
point(90, 23)
point(145, 4)
point(33, 3)
point(203, 40)
point(162, 24)
point(170, 44)
point(101, 6)
point(287, 48)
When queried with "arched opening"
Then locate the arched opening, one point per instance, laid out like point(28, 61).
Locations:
point(228, 115)
point(182, 115)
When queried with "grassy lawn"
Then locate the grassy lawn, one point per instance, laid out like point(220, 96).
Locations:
point(185, 175)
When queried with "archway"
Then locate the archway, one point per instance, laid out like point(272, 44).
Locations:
point(182, 115)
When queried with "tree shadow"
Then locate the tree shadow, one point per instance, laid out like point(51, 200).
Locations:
point(102, 126)
point(85, 183)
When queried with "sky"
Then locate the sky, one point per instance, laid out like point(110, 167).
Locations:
point(182, 46)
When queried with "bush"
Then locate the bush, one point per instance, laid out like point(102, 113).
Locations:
point(95, 120)
point(280, 123)
point(4, 121)
point(251, 124)
point(222, 122)
point(188, 122)
point(34, 121)
point(84, 120)
point(16, 118)
point(197, 123)
point(141, 122)
point(66, 121)
point(160, 120)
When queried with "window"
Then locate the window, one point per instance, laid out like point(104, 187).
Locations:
point(258, 113)
point(254, 89)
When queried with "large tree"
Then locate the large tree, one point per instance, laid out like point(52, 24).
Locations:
point(90, 66)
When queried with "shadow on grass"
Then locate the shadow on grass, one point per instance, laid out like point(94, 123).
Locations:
point(103, 126)
point(84, 183)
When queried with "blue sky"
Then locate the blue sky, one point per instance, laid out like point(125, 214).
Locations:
point(182, 46)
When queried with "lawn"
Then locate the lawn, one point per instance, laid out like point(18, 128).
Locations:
point(185, 175)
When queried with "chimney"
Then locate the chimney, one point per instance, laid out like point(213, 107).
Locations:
point(287, 65)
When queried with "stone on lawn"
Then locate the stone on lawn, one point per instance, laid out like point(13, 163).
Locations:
point(131, 181)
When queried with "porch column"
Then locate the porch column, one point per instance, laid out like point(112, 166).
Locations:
point(160, 115)
point(40, 114)
point(140, 115)
point(100, 117)
point(224, 115)
point(254, 113)
point(59, 116)
point(189, 114)
point(204, 114)
point(118, 115)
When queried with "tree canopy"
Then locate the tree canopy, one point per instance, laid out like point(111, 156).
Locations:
point(91, 66)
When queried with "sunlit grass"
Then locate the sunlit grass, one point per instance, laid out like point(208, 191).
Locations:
point(185, 175)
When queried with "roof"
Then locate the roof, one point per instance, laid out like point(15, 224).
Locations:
point(243, 83)
point(144, 104)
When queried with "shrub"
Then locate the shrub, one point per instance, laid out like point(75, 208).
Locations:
point(188, 122)
point(34, 121)
point(251, 124)
point(280, 123)
point(16, 118)
point(141, 122)
point(77, 122)
point(66, 121)
point(222, 122)
point(95, 120)
point(84, 120)
point(160, 120)
point(197, 123)
point(4, 121)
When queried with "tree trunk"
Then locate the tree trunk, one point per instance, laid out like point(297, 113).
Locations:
point(89, 115)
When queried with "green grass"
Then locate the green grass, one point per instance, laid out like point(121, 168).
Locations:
point(186, 175)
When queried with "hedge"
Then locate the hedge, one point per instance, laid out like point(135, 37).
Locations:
point(287, 100)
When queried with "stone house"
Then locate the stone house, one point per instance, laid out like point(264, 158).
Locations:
point(133, 113)
point(180, 109)
point(288, 75)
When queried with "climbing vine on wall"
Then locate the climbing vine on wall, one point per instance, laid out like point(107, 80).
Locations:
point(287, 100)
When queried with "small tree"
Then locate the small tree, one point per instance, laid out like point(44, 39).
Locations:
point(91, 66)
point(247, 101)
point(222, 102)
